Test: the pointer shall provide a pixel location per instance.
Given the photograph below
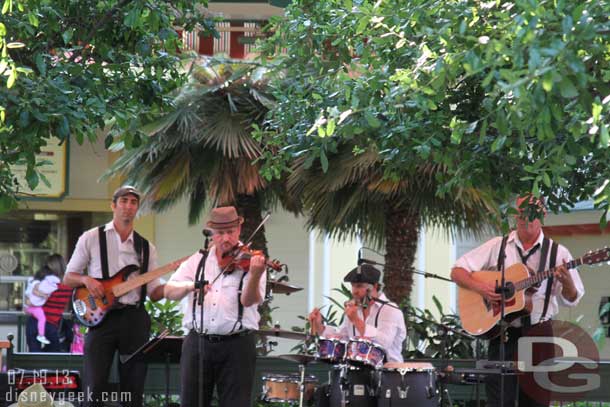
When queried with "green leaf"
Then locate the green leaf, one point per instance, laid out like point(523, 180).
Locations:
point(362, 24)
point(33, 19)
point(567, 89)
point(604, 138)
point(536, 188)
point(40, 64)
point(546, 179)
point(330, 127)
point(31, 176)
point(372, 120)
point(547, 82)
point(498, 143)
point(11, 78)
point(323, 161)
point(67, 36)
point(7, 202)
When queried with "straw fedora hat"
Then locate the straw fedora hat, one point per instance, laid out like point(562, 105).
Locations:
point(36, 396)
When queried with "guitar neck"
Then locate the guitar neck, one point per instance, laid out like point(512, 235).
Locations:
point(138, 281)
point(539, 277)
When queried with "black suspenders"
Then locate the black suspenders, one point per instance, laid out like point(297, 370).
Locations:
point(376, 319)
point(543, 256)
point(240, 306)
point(103, 252)
point(142, 249)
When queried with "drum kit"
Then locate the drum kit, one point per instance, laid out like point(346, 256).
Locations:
point(358, 377)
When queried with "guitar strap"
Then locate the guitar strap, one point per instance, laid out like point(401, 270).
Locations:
point(501, 253)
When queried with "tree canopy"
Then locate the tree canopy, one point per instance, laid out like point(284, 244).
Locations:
point(72, 68)
point(509, 96)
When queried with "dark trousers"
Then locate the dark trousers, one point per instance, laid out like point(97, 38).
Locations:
point(228, 364)
point(51, 332)
point(512, 390)
point(124, 330)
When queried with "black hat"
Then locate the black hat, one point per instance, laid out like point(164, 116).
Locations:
point(125, 190)
point(363, 274)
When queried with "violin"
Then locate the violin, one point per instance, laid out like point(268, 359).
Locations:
point(239, 258)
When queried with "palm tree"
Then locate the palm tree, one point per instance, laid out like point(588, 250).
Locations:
point(353, 198)
point(204, 150)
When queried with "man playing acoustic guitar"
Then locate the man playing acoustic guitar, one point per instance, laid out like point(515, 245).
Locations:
point(527, 245)
point(102, 252)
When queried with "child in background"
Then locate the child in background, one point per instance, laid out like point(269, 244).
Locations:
point(38, 290)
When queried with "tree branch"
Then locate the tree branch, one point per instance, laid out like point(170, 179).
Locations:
point(103, 20)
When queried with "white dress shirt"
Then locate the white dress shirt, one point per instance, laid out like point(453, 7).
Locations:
point(87, 256)
point(220, 304)
point(390, 331)
point(485, 257)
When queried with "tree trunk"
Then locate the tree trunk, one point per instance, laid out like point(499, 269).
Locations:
point(249, 207)
point(402, 233)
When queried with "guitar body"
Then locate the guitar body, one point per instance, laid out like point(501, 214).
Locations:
point(90, 311)
point(479, 317)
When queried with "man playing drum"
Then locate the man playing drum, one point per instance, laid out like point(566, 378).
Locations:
point(366, 318)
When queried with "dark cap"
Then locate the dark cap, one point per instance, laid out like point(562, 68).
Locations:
point(363, 274)
point(125, 190)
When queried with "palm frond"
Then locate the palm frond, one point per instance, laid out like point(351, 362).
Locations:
point(203, 148)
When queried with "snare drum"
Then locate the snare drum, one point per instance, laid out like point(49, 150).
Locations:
point(284, 388)
point(330, 350)
point(365, 352)
point(407, 384)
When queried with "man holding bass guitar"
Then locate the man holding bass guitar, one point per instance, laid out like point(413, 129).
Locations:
point(101, 253)
point(526, 245)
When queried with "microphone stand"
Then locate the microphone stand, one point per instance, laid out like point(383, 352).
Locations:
point(503, 291)
point(422, 273)
point(200, 283)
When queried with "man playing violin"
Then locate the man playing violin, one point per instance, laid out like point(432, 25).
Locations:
point(366, 318)
point(230, 315)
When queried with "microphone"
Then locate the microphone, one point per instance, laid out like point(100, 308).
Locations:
point(367, 298)
point(207, 233)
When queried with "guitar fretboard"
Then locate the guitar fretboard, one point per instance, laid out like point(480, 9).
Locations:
point(539, 277)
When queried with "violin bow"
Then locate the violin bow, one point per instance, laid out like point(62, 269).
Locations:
point(249, 240)
point(265, 219)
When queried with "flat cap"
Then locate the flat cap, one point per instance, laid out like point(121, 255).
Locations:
point(125, 190)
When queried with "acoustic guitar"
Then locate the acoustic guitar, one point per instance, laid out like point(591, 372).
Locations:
point(90, 310)
point(480, 317)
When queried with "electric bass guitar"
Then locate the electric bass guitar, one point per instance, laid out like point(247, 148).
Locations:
point(90, 310)
point(480, 317)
